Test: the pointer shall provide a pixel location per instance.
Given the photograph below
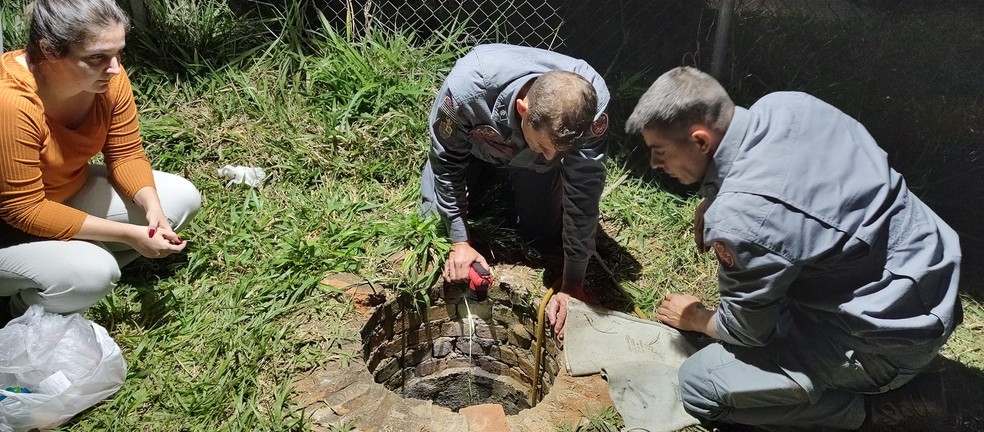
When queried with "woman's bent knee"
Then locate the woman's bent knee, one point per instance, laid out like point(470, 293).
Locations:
point(180, 199)
point(75, 284)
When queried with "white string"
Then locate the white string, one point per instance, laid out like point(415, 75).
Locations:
point(471, 337)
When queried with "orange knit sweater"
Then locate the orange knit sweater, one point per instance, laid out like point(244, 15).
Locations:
point(42, 164)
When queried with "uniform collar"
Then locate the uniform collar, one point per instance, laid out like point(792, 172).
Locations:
point(505, 104)
point(726, 153)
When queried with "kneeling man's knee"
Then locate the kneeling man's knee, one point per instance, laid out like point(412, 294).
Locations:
point(699, 393)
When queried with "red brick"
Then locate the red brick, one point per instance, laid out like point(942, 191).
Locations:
point(485, 418)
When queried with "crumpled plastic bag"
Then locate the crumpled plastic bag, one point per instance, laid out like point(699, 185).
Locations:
point(250, 176)
point(68, 364)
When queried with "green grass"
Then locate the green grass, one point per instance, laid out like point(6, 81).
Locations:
point(211, 338)
point(13, 24)
point(215, 337)
point(605, 420)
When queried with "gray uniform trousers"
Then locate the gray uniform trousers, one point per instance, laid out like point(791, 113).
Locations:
point(734, 384)
point(538, 199)
point(69, 276)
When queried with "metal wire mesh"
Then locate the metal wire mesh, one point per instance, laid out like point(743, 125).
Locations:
point(614, 36)
point(797, 45)
point(908, 70)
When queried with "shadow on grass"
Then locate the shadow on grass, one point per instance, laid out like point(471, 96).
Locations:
point(946, 397)
point(502, 245)
point(495, 234)
point(496, 237)
point(156, 306)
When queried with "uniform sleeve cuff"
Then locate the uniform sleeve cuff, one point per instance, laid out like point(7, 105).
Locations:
point(723, 332)
point(574, 273)
point(458, 230)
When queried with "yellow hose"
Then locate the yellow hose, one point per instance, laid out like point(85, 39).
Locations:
point(538, 350)
point(611, 276)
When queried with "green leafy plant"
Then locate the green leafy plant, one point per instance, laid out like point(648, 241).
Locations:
point(13, 25)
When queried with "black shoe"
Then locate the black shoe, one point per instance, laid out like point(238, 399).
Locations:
point(5, 315)
point(714, 426)
point(919, 405)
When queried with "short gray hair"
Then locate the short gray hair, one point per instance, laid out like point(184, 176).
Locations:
point(57, 25)
point(681, 98)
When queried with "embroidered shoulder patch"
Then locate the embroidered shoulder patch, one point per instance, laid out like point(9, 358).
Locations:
point(448, 107)
point(445, 126)
point(600, 126)
point(489, 136)
point(724, 254)
point(447, 118)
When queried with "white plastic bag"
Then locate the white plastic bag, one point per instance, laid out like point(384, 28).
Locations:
point(250, 176)
point(68, 364)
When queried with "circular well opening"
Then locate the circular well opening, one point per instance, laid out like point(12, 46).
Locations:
point(444, 354)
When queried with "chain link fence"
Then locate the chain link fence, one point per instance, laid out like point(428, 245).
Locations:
point(874, 59)
point(908, 70)
point(615, 37)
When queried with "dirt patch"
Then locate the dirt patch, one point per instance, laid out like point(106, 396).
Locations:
point(363, 295)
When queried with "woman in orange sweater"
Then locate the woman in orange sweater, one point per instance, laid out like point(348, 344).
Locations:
point(67, 226)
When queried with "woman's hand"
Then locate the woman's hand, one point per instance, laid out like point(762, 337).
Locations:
point(162, 243)
point(157, 223)
point(155, 240)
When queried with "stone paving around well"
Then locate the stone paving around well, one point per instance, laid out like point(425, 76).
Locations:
point(349, 395)
point(338, 394)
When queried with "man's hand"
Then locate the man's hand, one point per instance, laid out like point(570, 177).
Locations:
point(557, 308)
point(686, 312)
point(699, 225)
point(459, 262)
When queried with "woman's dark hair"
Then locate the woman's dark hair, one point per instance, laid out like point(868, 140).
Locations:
point(57, 25)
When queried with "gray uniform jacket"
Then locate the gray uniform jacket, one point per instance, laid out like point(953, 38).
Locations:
point(474, 116)
point(818, 238)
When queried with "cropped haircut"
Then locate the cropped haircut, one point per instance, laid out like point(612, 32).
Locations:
point(57, 25)
point(679, 99)
point(563, 105)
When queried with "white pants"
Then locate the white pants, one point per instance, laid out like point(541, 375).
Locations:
point(69, 276)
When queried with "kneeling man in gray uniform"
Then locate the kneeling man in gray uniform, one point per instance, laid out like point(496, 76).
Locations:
point(835, 280)
point(540, 116)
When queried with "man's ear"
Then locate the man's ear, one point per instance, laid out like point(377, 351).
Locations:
point(704, 139)
point(521, 106)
